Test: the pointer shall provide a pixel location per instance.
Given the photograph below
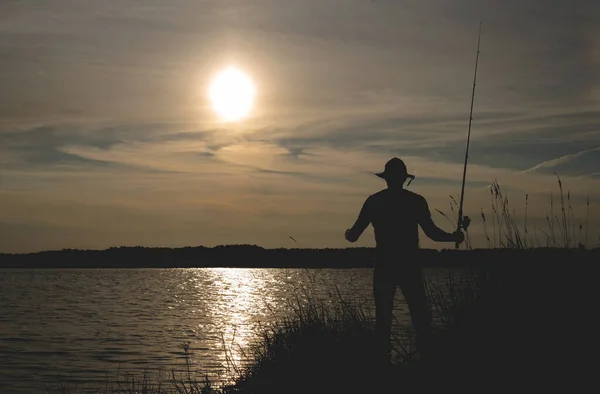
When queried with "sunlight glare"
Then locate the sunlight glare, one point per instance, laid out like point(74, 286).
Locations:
point(232, 94)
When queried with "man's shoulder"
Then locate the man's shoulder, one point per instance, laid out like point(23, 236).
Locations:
point(378, 194)
point(415, 196)
point(405, 192)
point(410, 196)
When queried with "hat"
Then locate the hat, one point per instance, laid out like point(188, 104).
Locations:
point(395, 168)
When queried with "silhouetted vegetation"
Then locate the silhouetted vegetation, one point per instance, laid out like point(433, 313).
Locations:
point(564, 231)
point(496, 327)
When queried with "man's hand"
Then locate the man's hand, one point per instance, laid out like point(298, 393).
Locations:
point(459, 236)
point(465, 222)
point(349, 239)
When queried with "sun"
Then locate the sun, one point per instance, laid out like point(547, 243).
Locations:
point(232, 94)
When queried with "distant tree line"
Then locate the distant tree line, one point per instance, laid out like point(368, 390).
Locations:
point(253, 256)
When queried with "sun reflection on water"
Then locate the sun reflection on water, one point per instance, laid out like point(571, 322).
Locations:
point(222, 312)
point(139, 319)
point(245, 301)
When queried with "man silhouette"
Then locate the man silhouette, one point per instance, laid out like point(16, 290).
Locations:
point(395, 214)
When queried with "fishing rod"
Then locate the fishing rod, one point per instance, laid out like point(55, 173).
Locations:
point(466, 220)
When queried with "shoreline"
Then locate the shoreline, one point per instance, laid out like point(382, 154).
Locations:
point(248, 256)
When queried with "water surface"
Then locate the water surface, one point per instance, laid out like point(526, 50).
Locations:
point(77, 325)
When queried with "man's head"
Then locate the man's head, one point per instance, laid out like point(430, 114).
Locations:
point(395, 172)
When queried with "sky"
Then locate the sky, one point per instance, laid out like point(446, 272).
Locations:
point(107, 137)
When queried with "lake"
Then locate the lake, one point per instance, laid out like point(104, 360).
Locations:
point(78, 325)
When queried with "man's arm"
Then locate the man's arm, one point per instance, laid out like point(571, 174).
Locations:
point(433, 231)
point(364, 218)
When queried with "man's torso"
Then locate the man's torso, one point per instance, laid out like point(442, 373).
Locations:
point(395, 216)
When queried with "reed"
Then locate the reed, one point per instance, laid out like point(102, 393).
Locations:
point(561, 231)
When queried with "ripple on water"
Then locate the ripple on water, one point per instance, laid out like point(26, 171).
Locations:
point(77, 325)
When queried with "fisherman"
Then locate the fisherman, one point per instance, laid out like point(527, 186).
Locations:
point(395, 214)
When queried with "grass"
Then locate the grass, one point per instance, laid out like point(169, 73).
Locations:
point(496, 326)
point(562, 229)
point(492, 326)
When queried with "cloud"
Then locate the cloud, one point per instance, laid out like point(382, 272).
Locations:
point(153, 61)
point(50, 146)
point(585, 162)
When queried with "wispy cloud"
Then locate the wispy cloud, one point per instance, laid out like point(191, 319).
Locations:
point(585, 162)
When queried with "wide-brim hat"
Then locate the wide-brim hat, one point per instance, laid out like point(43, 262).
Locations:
point(395, 168)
